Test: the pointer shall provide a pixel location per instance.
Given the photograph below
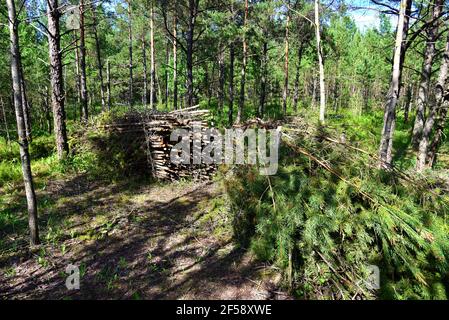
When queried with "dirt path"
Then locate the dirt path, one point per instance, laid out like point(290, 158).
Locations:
point(148, 242)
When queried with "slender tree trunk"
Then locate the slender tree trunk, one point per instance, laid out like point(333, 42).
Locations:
point(221, 79)
point(175, 63)
point(99, 62)
point(108, 84)
point(298, 72)
point(408, 102)
point(130, 50)
point(8, 138)
point(21, 131)
point(189, 53)
point(78, 78)
point(167, 75)
point(320, 63)
point(152, 65)
point(263, 80)
point(386, 144)
point(25, 105)
point(286, 63)
point(440, 90)
point(426, 73)
point(314, 85)
point(231, 83)
point(56, 79)
point(145, 73)
point(83, 78)
point(243, 72)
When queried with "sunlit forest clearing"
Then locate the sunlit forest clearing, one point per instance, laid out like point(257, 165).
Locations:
point(92, 90)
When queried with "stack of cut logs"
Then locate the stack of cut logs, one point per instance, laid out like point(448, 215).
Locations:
point(157, 128)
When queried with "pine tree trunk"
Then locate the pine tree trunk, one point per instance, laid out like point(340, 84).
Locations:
point(175, 64)
point(440, 90)
point(438, 136)
point(243, 71)
point(130, 50)
point(25, 105)
point(426, 73)
point(221, 79)
point(231, 83)
point(56, 79)
point(298, 72)
point(108, 84)
point(286, 63)
point(408, 102)
point(8, 138)
point(152, 64)
point(145, 72)
point(98, 53)
point(167, 75)
point(189, 51)
point(83, 78)
point(78, 78)
point(263, 80)
point(21, 131)
point(386, 144)
point(320, 63)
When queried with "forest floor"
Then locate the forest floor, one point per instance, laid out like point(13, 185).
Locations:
point(135, 241)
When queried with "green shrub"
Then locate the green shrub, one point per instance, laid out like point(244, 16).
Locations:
point(329, 213)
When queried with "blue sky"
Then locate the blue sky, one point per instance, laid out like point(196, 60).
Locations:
point(365, 14)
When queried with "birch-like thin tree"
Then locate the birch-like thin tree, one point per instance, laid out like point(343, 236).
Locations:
point(320, 62)
point(386, 143)
point(21, 130)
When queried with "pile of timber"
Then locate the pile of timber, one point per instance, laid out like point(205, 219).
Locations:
point(157, 128)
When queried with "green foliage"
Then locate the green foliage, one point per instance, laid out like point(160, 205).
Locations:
point(329, 223)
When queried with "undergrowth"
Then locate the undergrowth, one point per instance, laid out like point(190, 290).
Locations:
point(329, 213)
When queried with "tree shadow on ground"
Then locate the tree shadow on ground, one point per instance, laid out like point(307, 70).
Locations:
point(154, 249)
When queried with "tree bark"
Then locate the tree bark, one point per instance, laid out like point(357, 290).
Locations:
point(426, 73)
point(25, 105)
point(8, 138)
point(231, 83)
point(78, 79)
point(98, 53)
point(440, 90)
point(108, 84)
point(298, 73)
point(175, 63)
point(193, 8)
point(386, 144)
point(221, 79)
point(286, 63)
point(152, 64)
point(263, 81)
point(130, 50)
point(408, 102)
point(56, 79)
point(167, 75)
point(83, 76)
point(145, 73)
point(438, 136)
point(320, 63)
point(21, 131)
point(243, 71)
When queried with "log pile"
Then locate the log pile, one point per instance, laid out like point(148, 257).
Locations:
point(157, 128)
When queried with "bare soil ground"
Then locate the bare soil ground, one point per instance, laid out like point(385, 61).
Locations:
point(136, 242)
